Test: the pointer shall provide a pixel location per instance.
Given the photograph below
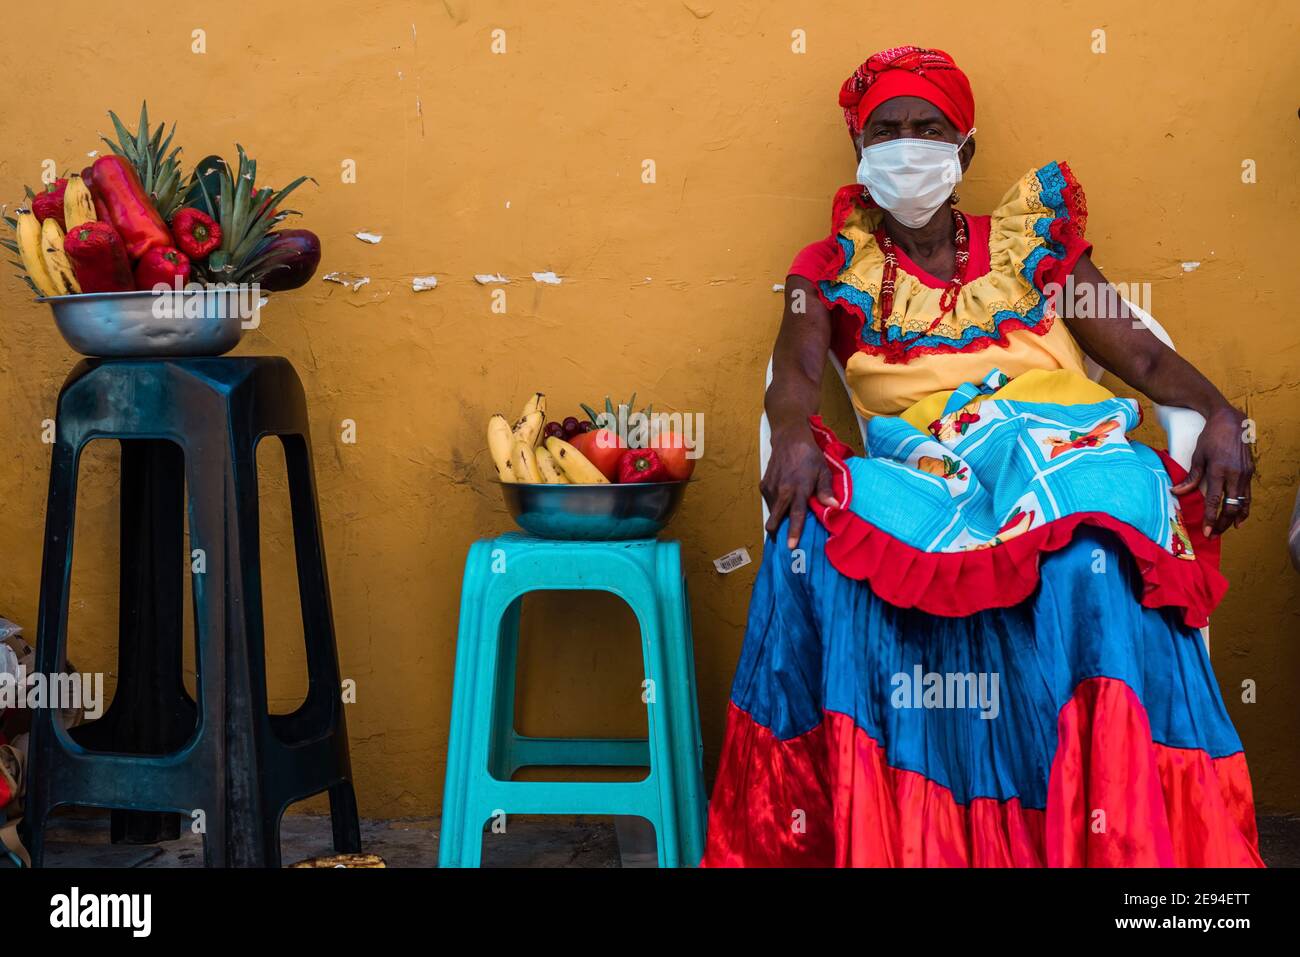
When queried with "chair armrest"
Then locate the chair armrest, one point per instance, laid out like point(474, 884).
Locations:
point(1182, 429)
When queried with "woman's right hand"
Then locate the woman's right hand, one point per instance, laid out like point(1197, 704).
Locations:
point(796, 471)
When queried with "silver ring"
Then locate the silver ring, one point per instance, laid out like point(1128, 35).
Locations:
point(1235, 502)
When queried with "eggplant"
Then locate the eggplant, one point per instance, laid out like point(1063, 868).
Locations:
point(208, 170)
point(287, 259)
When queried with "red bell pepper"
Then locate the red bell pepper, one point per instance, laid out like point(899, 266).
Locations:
point(642, 465)
point(130, 209)
point(49, 202)
point(98, 257)
point(101, 211)
point(197, 233)
point(164, 265)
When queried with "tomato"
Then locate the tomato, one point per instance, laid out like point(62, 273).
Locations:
point(672, 453)
point(602, 448)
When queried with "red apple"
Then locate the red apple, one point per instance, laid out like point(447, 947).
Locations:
point(672, 452)
point(602, 448)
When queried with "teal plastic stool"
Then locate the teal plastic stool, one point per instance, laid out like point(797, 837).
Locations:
point(484, 750)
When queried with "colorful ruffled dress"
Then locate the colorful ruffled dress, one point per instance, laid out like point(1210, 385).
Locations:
point(986, 653)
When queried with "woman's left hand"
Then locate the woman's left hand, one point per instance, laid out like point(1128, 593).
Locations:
point(1223, 459)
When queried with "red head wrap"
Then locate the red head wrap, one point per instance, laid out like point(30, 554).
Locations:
point(908, 71)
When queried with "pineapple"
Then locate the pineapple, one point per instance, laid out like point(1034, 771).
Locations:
point(621, 413)
point(246, 216)
point(159, 170)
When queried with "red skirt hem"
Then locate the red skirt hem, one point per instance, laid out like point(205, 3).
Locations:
point(1114, 799)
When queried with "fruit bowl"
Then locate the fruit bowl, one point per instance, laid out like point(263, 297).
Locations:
point(201, 322)
point(594, 513)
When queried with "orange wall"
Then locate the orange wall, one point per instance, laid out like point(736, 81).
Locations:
point(470, 162)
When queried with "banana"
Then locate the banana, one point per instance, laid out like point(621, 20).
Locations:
point(528, 427)
point(576, 466)
point(56, 260)
point(536, 403)
point(78, 204)
point(29, 248)
point(551, 471)
point(501, 445)
point(526, 467)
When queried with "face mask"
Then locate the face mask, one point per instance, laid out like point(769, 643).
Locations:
point(911, 178)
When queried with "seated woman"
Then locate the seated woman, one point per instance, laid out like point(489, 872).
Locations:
point(982, 647)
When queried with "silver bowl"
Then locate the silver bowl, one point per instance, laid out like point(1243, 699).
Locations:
point(594, 513)
point(200, 322)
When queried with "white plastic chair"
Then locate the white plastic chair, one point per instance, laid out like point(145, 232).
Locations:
point(1182, 426)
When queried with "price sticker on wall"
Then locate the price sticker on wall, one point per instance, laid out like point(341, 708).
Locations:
point(731, 561)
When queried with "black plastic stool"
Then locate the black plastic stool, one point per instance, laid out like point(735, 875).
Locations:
point(156, 753)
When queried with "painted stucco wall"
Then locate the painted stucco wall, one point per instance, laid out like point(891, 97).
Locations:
point(470, 161)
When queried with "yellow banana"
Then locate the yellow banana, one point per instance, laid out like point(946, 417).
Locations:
point(29, 248)
point(551, 471)
point(536, 403)
point(576, 466)
point(528, 427)
point(501, 445)
point(526, 464)
point(56, 260)
point(78, 204)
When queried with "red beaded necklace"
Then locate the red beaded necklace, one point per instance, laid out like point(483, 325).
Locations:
point(889, 277)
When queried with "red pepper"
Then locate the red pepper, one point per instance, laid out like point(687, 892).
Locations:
point(130, 209)
point(197, 233)
point(49, 202)
point(162, 264)
point(642, 465)
point(101, 211)
point(98, 258)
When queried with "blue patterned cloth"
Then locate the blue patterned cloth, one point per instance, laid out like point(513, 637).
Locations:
point(988, 471)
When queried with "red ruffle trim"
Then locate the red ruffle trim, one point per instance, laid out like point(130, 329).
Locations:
point(956, 584)
point(1068, 231)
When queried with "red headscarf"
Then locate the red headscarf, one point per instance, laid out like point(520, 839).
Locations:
point(908, 71)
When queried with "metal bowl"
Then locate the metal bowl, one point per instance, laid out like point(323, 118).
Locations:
point(594, 513)
point(200, 322)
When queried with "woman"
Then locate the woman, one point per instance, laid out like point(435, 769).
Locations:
point(981, 648)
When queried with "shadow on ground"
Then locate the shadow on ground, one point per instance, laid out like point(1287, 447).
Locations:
point(82, 840)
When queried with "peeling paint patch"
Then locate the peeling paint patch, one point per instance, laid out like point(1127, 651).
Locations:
point(373, 238)
point(1191, 266)
point(778, 287)
point(421, 283)
point(484, 279)
point(547, 277)
point(346, 279)
point(93, 153)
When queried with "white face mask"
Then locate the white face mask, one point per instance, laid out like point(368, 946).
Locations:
point(911, 178)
